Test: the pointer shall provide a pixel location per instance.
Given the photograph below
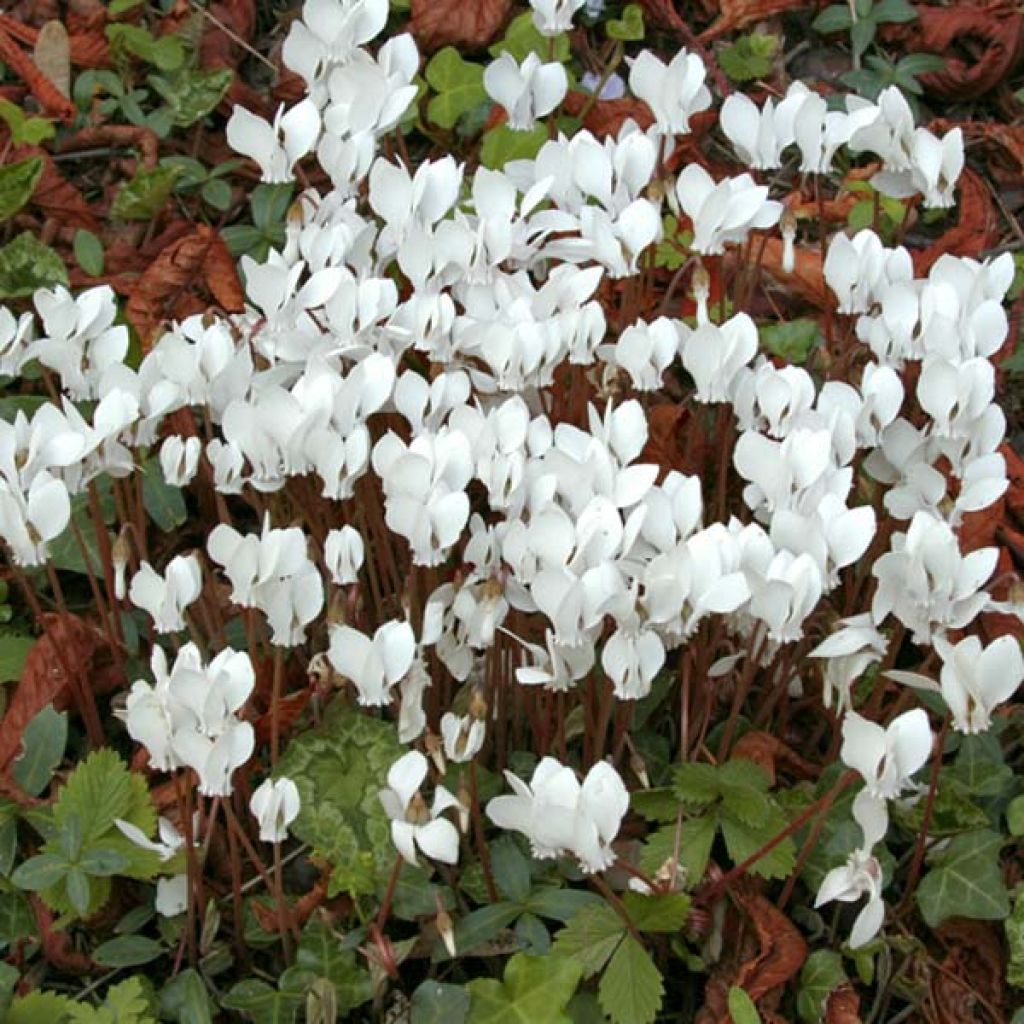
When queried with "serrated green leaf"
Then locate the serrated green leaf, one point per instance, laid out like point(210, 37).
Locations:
point(741, 1007)
point(631, 988)
point(591, 937)
point(39, 1006)
point(821, 975)
point(743, 841)
point(436, 1003)
point(696, 783)
point(17, 183)
point(263, 1004)
point(696, 837)
point(43, 744)
point(750, 57)
point(127, 951)
point(459, 85)
point(966, 881)
point(146, 194)
point(76, 885)
point(658, 912)
point(535, 990)
point(88, 251)
point(27, 264)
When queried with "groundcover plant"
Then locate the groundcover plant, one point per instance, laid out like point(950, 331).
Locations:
point(565, 572)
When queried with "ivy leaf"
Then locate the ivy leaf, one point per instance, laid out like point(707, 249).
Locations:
point(321, 955)
point(511, 869)
point(792, 341)
point(184, 999)
point(17, 183)
point(631, 988)
point(822, 974)
point(535, 990)
point(459, 85)
point(630, 27)
point(966, 881)
point(27, 264)
point(145, 195)
point(591, 938)
point(436, 1003)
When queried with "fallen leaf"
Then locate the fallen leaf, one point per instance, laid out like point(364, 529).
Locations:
point(768, 752)
point(44, 90)
point(843, 1006)
point(977, 226)
point(783, 949)
point(735, 14)
point(994, 31)
point(437, 23)
point(57, 943)
point(88, 49)
point(606, 117)
point(198, 257)
point(66, 641)
point(55, 196)
point(52, 55)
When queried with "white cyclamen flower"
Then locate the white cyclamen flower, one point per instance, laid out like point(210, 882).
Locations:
point(275, 805)
point(179, 459)
point(275, 147)
point(674, 92)
point(413, 823)
point(373, 666)
point(886, 758)
point(560, 816)
point(463, 737)
point(344, 553)
point(553, 17)
point(974, 681)
point(861, 875)
point(849, 653)
point(527, 91)
point(166, 597)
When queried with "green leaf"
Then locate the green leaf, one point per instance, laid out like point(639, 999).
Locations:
point(43, 745)
point(696, 783)
point(892, 11)
point(794, 340)
point(17, 921)
point(115, 8)
point(338, 769)
point(980, 765)
point(659, 912)
point(192, 94)
point(590, 938)
point(750, 57)
point(1014, 927)
point(270, 204)
point(741, 1007)
point(322, 955)
point(39, 1006)
point(40, 872)
point(822, 974)
point(522, 38)
point(164, 502)
point(263, 1004)
point(631, 988)
point(14, 650)
point(216, 193)
point(8, 979)
point(145, 195)
point(536, 990)
point(483, 925)
point(630, 27)
point(920, 64)
point(511, 869)
point(166, 53)
point(88, 251)
point(1015, 816)
point(27, 264)
point(836, 18)
point(25, 130)
point(17, 183)
point(127, 951)
point(966, 881)
point(560, 904)
point(696, 837)
point(743, 841)
point(184, 999)
point(76, 885)
point(436, 1003)
point(862, 34)
point(459, 85)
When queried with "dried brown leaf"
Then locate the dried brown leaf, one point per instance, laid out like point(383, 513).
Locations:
point(437, 23)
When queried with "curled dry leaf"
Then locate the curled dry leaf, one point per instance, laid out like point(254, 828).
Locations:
point(66, 641)
point(437, 23)
point(806, 279)
point(975, 955)
point(605, 117)
point(770, 753)
point(843, 1006)
point(734, 14)
point(994, 32)
point(783, 949)
point(88, 49)
point(200, 257)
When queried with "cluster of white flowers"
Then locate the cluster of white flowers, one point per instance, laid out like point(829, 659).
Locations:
point(597, 553)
